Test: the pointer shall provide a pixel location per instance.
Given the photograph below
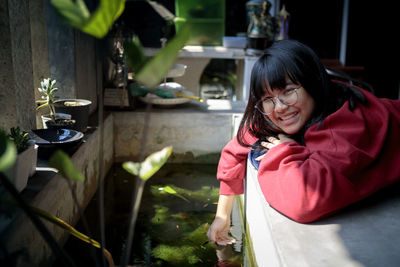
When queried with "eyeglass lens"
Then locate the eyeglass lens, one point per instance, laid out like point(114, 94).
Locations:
point(287, 97)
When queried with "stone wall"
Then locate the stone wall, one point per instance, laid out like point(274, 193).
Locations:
point(36, 44)
point(17, 105)
point(197, 132)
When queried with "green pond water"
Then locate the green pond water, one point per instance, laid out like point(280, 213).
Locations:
point(178, 204)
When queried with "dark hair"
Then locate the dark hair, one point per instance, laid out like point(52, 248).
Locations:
point(296, 61)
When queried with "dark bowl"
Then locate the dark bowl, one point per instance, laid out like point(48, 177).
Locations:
point(49, 140)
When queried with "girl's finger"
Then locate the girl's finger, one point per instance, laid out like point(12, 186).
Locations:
point(260, 157)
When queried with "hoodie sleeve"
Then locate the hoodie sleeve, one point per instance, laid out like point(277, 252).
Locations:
point(232, 166)
point(349, 157)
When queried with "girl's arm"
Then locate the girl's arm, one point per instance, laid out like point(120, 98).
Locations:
point(219, 229)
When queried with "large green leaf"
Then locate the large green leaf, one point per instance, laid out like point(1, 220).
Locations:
point(157, 67)
point(97, 24)
point(61, 161)
point(134, 54)
point(70, 229)
point(8, 152)
point(150, 165)
point(75, 14)
point(103, 18)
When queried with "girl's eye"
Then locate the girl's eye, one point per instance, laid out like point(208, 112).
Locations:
point(288, 91)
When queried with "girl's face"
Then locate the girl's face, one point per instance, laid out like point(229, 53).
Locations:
point(291, 118)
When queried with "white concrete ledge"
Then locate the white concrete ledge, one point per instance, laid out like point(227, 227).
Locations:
point(365, 234)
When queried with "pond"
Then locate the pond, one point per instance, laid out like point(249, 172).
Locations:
point(178, 204)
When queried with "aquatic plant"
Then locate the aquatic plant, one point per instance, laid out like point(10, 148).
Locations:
point(179, 238)
point(161, 214)
point(167, 189)
point(206, 195)
point(179, 256)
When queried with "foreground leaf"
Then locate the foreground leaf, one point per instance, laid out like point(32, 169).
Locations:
point(70, 229)
point(61, 161)
point(103, 18)
point(134, 54)
point(77, 15)
point(150, 165)
point(8, 152)
point(157, 67)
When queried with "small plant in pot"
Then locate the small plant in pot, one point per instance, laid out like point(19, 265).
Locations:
point(52, 120)
point(25, 164)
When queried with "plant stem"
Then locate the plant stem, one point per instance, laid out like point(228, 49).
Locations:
point(100, 117)
point(137, 197)
point(47, 236)
point(132, 223)
point(82, 216)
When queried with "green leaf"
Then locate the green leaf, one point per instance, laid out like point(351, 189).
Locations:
point(168, 189)
point(42, 106)
point(132, 167)
point(70, 229)
point(8, 152)
point(157, 67)
point(74, 14)
point(150, 165)
point(134, 54)
point(103, 18)
point(61, 161)
point(97, 24)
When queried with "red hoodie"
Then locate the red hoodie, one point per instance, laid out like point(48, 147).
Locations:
point(350, 156)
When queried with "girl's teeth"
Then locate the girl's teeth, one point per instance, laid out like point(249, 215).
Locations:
point(288, 117)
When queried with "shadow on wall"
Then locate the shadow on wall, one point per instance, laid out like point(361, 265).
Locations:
point(370, 229)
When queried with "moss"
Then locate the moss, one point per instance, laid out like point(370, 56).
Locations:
point(176, 255)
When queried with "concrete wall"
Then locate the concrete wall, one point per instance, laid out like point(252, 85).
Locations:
point(73, 59)
point(197, 132)
point(36, 44)
point(51, 193)
point(366, 234)
point(16, 78)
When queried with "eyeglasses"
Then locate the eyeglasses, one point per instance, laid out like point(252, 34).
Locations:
point(287, 97)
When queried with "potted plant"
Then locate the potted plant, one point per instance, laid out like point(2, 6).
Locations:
point(77, 108)
point(25, 163)
point(52, 120)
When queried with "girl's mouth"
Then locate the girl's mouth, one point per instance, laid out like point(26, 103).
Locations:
point(289, 118)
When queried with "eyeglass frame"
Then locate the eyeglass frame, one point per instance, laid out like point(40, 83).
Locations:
point(278, 99)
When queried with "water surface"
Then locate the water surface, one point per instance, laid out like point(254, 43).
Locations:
point(178, 204)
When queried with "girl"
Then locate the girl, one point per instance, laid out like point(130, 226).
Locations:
point(327, 144)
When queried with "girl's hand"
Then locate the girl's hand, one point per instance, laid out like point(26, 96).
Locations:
point(272, 142)
point(219, 231)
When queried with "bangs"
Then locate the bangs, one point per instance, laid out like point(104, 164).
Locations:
point(279, 72)
point(272, 72)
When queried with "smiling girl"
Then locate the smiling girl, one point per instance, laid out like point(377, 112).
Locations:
point(319, 144)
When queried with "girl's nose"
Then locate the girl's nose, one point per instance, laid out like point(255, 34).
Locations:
point(279, 106)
